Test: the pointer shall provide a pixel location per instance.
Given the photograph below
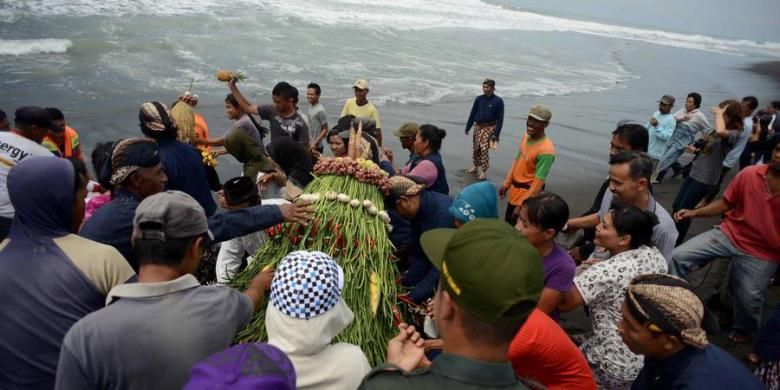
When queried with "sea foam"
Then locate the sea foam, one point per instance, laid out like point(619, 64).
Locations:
point(10, 47)
point(472, 14)
point(396, 14)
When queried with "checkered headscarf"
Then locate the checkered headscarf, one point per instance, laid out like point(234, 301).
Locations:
point(306, 284)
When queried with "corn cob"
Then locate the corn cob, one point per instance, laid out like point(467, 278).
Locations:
point(374, 293)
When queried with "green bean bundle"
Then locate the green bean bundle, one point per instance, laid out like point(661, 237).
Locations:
point(349, 224)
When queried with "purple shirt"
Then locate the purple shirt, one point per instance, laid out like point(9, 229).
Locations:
point(558, 272)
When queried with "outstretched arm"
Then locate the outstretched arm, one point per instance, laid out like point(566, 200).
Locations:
point(245, 104)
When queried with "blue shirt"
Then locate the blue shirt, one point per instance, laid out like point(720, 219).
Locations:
point(487, 110)
point(422, 276)
point(112, 224)
point(693, 368)
point(659, 135)
point(186, 172)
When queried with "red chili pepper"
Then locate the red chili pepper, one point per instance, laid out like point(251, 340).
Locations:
point(314, 229)
point(396, 315)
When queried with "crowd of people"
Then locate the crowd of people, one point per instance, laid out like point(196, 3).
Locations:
point(102, 282)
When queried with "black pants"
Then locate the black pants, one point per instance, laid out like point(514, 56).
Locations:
point(213, 179)
point(509, 217)
point(690, 194)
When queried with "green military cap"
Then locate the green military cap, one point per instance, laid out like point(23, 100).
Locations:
point(487, 266)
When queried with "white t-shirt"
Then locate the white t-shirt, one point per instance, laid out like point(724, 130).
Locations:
point(230, 252)
point(13, 149)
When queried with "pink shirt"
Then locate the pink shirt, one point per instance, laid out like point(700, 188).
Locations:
point(425, 170)
point(753, 225)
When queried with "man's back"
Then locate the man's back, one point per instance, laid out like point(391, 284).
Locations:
point(151, 336)
point(13, 149)
point(43, 292)
point(186, 172)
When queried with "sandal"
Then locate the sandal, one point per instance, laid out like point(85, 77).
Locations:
point(738, 338)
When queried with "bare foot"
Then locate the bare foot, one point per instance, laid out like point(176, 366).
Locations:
point(472, 170)
point(482, 176)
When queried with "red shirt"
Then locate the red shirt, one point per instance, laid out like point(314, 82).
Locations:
point(543, 352)
point(753, 225)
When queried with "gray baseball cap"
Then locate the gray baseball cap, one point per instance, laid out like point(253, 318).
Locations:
point(666, 99)
point(170, 215)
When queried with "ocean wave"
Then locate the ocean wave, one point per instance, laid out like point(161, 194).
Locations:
point(470, 14)
point(395, 15)
point(21, 47)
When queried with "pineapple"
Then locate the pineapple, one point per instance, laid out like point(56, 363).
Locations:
point(226, 75)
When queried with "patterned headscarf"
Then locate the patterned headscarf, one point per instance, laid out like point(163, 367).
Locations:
point(155, 116)
point(306, 284)
point(404, 186)
point(669, 305)
point(131, 154)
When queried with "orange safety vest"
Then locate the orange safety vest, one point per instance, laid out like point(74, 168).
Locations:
point(201, 130)
point(70, 144)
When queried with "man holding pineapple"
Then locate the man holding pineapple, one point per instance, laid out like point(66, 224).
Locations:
point(283, 116)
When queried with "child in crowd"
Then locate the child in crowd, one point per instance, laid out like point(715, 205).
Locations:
point(241, 192)
point(540, 220)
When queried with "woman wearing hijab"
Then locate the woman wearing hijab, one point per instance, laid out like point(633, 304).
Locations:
point(51, 277)
point(248, 152)
point(478, 200)
point(662, 320)
point(293, 159)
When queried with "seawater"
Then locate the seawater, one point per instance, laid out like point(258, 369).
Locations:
point(100, 59)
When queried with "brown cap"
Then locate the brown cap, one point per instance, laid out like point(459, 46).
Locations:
point(408, 129)
point(540, 112)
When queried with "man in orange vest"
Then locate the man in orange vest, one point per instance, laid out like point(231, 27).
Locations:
point(64, 143)
point(534, 160)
